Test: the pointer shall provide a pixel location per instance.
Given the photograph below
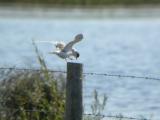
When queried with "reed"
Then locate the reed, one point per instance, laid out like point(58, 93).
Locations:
point(31, 95)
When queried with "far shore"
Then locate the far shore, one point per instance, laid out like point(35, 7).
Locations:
point(51, 6)
point(50, 11)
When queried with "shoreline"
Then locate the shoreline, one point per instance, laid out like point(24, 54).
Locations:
point(30, 5)
point(79, 12)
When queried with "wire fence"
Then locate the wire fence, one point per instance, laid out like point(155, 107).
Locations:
point(99, 116)
point(119, 117)
point(88, 73)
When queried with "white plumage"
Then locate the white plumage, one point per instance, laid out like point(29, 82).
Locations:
point(66, 51)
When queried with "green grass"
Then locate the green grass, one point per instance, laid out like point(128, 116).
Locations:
point(31, 95)
point(84, 2)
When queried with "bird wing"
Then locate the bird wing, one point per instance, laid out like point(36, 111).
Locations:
point(58, 45)
point(69, 46)
point(51, 42)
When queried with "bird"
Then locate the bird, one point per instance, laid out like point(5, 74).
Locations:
point(66, 51)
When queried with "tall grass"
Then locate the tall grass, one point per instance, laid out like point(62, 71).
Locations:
point(98, 105)
point(31, 95)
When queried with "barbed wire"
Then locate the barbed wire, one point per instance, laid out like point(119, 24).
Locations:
point(116, 116)
point(85, 114)
point(88, 73)
point(123, 76)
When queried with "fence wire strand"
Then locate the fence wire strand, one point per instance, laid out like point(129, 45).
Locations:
point(117, 116)
point(87, 73)
point(85, 114)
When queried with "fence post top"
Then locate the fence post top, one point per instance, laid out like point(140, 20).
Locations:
point(74, 63)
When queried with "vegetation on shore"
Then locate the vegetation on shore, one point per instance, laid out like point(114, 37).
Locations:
point(31, 95)
point(84, 2)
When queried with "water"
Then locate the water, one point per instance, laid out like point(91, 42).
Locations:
point(114, 45)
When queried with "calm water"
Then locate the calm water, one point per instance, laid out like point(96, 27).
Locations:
point(114, 45)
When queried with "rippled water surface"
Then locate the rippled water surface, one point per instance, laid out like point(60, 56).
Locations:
point(127, 46)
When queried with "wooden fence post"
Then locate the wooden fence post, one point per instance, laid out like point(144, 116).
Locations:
point(74, 107)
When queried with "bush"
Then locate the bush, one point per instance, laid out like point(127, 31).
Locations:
point(31, 95)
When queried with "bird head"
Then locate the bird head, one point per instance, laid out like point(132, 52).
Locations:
point(77, 55)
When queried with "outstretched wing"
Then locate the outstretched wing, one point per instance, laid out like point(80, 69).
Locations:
point(69, 46)
point(51, 42)
point(58, 45)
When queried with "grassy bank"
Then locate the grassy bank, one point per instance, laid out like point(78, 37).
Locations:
point(84, 2)
point(31, 95)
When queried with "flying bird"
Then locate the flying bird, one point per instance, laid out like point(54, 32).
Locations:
point(66, 51)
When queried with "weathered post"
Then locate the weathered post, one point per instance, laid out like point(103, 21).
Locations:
point(74, 109)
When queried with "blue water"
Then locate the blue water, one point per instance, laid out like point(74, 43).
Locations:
point(127, 46)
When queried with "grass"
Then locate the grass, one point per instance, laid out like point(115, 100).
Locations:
point(31, 95)
point(97, 108)
point(84, 2)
